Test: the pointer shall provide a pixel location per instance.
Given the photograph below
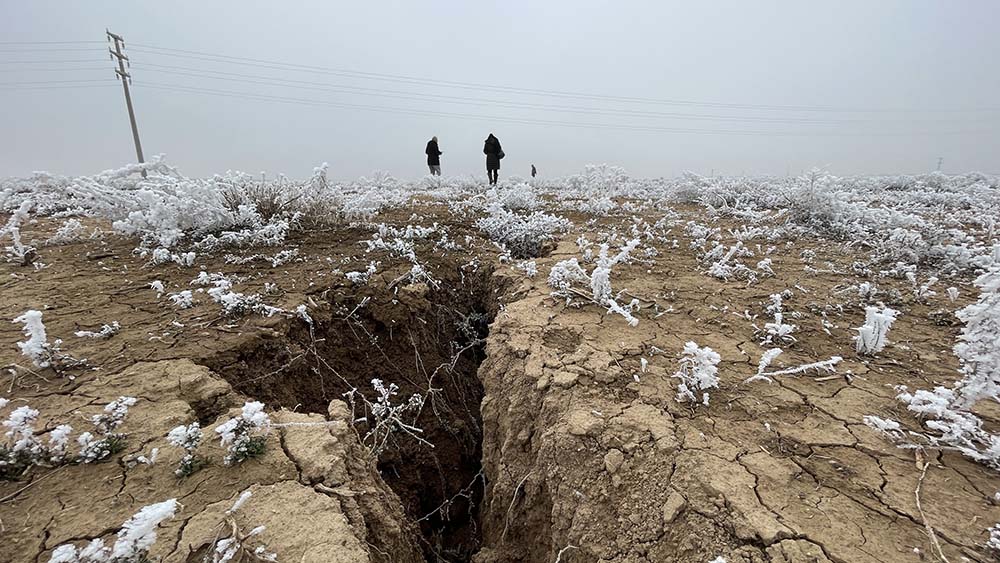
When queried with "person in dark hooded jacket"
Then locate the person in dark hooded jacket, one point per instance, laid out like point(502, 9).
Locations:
point(433, 156)
point(493, 153)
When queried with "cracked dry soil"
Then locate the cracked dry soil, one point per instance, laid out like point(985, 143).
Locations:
point(550, 440)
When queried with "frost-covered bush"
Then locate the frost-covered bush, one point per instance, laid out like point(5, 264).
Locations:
point(245, 436)
point(599, 179)
point(777, 331)
point(519, 197)
point(37, 347)
point(236, 546)
point(68, 232)
point(386, 418)
point(566, 273)
point(698, 372)
point(234, 303)
point(872, 336)
point(188, 438)
point(182, 299)
point(978, 347)
point(947, 418)
point(525, 236)
point(107, 440)
point(17, 251)
point(24, 449)
point(107, 331)
point(135, 539)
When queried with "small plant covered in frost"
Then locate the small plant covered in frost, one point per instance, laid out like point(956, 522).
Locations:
point(946, 412)
point(135, 539)
point(769, 356)
point(236, 546)
point(872, 336)
point(107, 331)
point(182, 299)
point(523, 235)
point(187, 438)
point(245, 436)
point(386, 418)
point(698, 372)
point(24, 449)
point(566, 273)
point(777, 331)
point(107, 441)
point(18, 251)
point(36, 347)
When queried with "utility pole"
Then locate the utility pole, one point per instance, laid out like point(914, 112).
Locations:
point(126, 79)
point(940, 159)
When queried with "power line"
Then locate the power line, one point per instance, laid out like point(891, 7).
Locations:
point(423, 113)
point(51, 62)
point(421, 96)
point(49, 42)
point(55, 81)
point(109, 82)
point(55, 69)
point(200, 55)
point(57, 50)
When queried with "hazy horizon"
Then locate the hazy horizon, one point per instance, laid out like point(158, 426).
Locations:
point(658, 88)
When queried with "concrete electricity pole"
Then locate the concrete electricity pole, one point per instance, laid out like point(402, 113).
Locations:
point(126, 78)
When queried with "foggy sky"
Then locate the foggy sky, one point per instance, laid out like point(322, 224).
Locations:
point(917, 67)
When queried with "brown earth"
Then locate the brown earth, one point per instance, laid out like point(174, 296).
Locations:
point(557, 447)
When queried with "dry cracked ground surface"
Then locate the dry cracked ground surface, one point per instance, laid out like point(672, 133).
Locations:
point(585, 453)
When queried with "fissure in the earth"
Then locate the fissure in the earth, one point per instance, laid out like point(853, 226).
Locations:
point(425, 339)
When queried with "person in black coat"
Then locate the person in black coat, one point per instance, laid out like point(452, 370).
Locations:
point(433, 156)
point(493, 153)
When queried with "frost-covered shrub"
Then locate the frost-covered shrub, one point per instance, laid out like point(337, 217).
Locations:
point(236, 546)
point(182, 299)
point(37, 347)
point(17, 251)
point(23, 449)
point(359, 277)
point(978, 347)
point(777, 331)
point(135, 539)
point(994, 541)
point(602, 179)
point(107, 441)
point(107, 331)
point(525, 236)
point(385, 418)
point(187, 438)
point(698, 372)
point(564, 274)
point(567, 272)
point(68, 232)
point(945, 412)
point(245, 436)
point(769, 356)
point(520, 197)
point(529, 268)
point(234, 303)
point(872, 336)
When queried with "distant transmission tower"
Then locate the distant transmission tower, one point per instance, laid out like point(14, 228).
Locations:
point(126, 79)
point(940, 160)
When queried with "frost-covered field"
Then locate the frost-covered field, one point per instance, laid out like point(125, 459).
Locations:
point(853, 323)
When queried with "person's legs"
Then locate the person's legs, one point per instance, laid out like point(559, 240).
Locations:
point(435, 169)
